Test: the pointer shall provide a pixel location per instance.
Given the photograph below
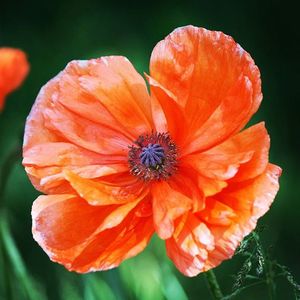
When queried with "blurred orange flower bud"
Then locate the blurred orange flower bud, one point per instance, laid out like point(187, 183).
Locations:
point(13, 69)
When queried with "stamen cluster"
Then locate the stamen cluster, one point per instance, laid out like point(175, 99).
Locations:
point(154, 157)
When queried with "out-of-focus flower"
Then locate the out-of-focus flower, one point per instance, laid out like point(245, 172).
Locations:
point(14, 68)
point(117, 164)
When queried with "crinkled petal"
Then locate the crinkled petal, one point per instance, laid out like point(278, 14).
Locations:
point(256, 138)
point(189, 246)
point(64, 221)
point(229, 216)
point(86, 238)
point(241, 157)
point(60, 154)
point(185, 182)
point(83, 117)
point(228, 118)
point(45, 164)
point(249, 200)
point(217, 213)
point(210, 186)
point(212, 78)
point(99, 193)
point(167, 204)
point(85, 133)
point(115, 83)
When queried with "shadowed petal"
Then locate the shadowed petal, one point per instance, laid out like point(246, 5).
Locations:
point(168, 204)
point(99, 193)
point(186, 182)
point(249, 200)
point(190, 244)
point(229, 216)
point(82, 237)
point(211, 186)
point(174, 114)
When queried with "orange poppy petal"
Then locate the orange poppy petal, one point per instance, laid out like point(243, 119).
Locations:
point(85, 133)
point(256, 137)
point(185, 182)
point(60, 154)
point(73, 95)
point(51, 122)
point(241, 157)
point(66, 215)
point(218, 164)
point(228, 118)
point(217, 213)
point(209, 74)
point(46, 153)
point(49, 180)
point(121, 90)
point(167, 204)
point(14, 67)
point(250, 200)
point(113, 246)
point(52, 179)
point(190, 245)
point(82, 238)
point(60, 131)
point(229, 216)
point(210, 186)
point(46, 162)
point(176, 124)
point(35, 130)
point(99, 193)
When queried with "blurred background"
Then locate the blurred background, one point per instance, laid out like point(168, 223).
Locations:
point(54, 32)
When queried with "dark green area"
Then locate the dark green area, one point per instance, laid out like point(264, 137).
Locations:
point(55, 32)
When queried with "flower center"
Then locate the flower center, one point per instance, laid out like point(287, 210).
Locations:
point(153, 157)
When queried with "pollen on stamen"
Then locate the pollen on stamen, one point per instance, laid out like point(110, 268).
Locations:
point(153, 157)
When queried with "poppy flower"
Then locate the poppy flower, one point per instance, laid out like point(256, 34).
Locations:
point(14, 68)
point(118, 164)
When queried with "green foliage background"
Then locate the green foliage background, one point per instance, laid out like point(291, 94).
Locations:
point(55, 32)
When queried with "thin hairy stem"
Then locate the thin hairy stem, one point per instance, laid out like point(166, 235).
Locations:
point(267, 265)
point(213, 285)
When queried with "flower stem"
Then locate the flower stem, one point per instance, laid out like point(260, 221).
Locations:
point(213, 285)
point(6, 168)
point(5, 171)
point(6, 272)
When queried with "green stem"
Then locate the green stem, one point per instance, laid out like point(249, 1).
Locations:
point(4, 175)
point(213, 285)
point(14, 260)
point(6, 272)
point(238, 291)
point(268, 268)
point(6, 169)
point(270, 280)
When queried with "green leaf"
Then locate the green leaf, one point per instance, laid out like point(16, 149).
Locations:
point(16, 264)
point(98, 289)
